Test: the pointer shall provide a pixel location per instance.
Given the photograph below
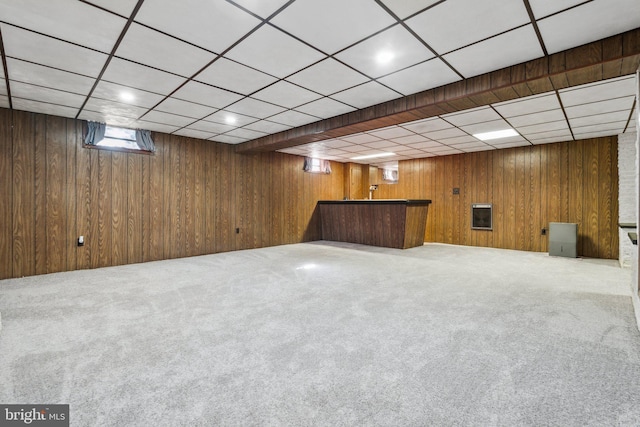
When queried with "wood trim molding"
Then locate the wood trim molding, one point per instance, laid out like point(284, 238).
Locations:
point(600, 60)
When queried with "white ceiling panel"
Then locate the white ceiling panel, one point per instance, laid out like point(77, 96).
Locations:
point(616, 116)
point(117, 109)
point(155, 49)
point(234, 77)
point(227, 117)
point(192, 133)
point(325, 108)
point(528, 105)
point(272, 51)
point(615, 127)
point(444, 150)
point(425, 145)
point(206, 95)
point(391, 132)
point(22, 44)
point(327, 77)
point(405, 8)
point(483, 147)
point(157, 127)
point(293, 118)
point(267, 127)
point(94, 116)
point(210, 127)
point(537, 118)
point(471, 145)
point(140, 77)
point(286, 95)
point(213, 25)
point(410, 139)
point(507, 49)
point(513, 144)
point(46, 95)
point(600, 107)
point(542, 8)
point(441, 135)
point(427, 75)
point(460, 140)
point(365, 95)
point(601, 91)
point(184, 108)
point(382, 145)
point(68, 20)
point(3, 87)
point(542, 127)
point(310, 19)
point(245, 133)
point(228, 139)
point(552, 139)
point(44, 108)
point(121, 7)
point(486, 127)
point(113, 91)
point(441, 25)
point(262, 8)
point(27, 72)
point(591, 21)
point(469, 117)
point(166, 118)
point(404, 50)
point(596, 134)
point(427, 125)
point(255, 108)
point(354, 148)
point(510, 140)
point(4, 101)
point(360, 138)
point(549, 134)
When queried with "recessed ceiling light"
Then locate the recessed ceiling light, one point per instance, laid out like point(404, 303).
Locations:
point(230, 120)
point(373, 156)
point(487, 136)
point(127, 96)
point(384, 57)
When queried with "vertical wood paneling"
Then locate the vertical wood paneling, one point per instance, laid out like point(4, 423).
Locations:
point(156, 200)
point(105, 216)
point(6, 189)
point(119, 211)
point(56, 195)
point(135, 208)
point(40, 203)
point(74, 132)
point(590, 212)
point(83, 205)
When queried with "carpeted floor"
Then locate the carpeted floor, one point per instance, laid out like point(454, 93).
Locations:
point(328, 334)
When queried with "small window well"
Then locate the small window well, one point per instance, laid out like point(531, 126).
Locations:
point(119, 137)
point(101, 135)
point(313, 165)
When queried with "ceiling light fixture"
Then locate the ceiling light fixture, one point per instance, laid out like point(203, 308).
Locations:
point(487, 136)
point(373, 156)
point(384, 57)
point(230, 120)
point(127, 96)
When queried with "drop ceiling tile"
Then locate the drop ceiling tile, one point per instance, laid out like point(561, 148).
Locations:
point(405, 8)
point(168, 119)
point(3, 87)
point(94, 116)
point(4, 101)
point(255, 108)
point(46, 95)
point(193, 133)
point(245, 133)
point(262, 8)
point(354, 148)
point(558, 134)
point(602, 91)
point(211, 127)
point(68, 20)
point(122, 7)
point(229, 118)
point(293, 118)
point(360, 138)
point(427, 125)
point(184, 108)
point(507, 49)
point(617, 116)
point(491, 126)
point(286, 95)
point(382, 145)
point(27, 72)
point(391, 132)
point(213, 25)
point(349, 22)
point(424, 76)
point(157, 127)
point(425, 145)
point(461, 140)
point(206, 95)
point(234, 77)
point(258, 51)
point(405, 49)
point(444, 134)
point(552, 140)
point(294, 151)
point(614, 128)
point(600, 107)
point(410, 139)
point(327, 77)
point(112, 91)
point(543, 127)
point(111, 108)
point(528, 105)
point(441, 25)
point(500, 143)
point(44, 50)
point(512, 144)
point(366, 95)
point(596, 134)
point(469, 145)
point(325, 108)
point(43, 108)
point(444, 150)
point(266, 126)
point(228, 139)
point(152, 48)
point(542, 8)
point(589, 22)
point(536, 118)
point(140, 77)
point(469, 117)
point(483, 147)
point(337, 143)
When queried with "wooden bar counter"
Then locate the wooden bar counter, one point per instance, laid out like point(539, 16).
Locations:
point(392, 223)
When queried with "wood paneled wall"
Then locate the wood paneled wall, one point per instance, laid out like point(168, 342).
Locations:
point(187, 199)
point(528, 186)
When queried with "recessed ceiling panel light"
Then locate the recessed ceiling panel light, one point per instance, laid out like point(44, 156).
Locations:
point(487, 136)
point(384, 57)
point(373, 156)
point(230, 120)
point(127, 96)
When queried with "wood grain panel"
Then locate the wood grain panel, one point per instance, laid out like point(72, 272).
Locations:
point(73, 141)
point(84, 206)
point(104, 214)
point(119, 209)
point(56, 195)
point(135, 208)
point(156, 200)
point(6, 192)
point(40, 203)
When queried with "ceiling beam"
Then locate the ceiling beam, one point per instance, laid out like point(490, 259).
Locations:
point(600, 60)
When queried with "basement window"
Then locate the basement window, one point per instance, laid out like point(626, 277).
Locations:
point(101, 135)
point(119, 137)
point(313, 165)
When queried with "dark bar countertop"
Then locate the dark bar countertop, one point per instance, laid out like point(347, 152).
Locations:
point(408, 202)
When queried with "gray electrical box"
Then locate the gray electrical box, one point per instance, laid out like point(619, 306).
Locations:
point(563, 239)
